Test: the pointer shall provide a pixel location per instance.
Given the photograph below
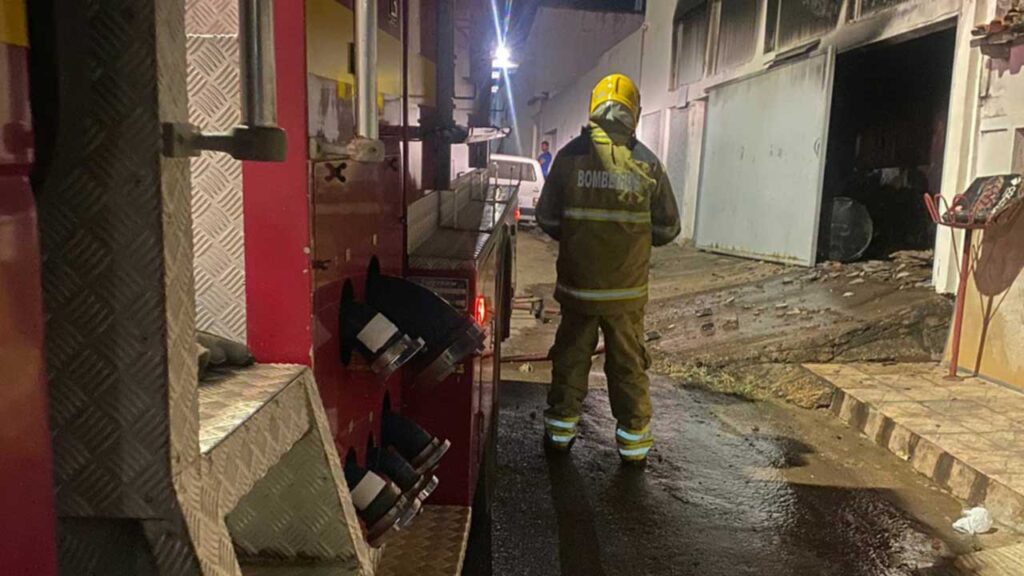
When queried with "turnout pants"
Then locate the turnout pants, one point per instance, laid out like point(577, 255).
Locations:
point(626, 364)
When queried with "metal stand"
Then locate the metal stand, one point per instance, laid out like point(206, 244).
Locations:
point(966, 212)
point(933, 204)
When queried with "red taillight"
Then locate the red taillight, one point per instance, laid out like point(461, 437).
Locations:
point(480, 310)
point(517, 214)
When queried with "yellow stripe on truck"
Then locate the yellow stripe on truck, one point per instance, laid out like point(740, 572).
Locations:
point(13, 23)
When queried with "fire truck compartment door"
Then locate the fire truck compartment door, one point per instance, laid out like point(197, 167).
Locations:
point(764, 162)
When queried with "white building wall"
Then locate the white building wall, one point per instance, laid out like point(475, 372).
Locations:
point(567, 110)
point(994, 307)
point(563, 44)
point(646, 55)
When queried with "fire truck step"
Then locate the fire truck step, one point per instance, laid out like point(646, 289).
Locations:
point(434, 545)
point(228, 400)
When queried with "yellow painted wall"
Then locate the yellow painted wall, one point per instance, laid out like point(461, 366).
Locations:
point(330, 31)
point(996, 290)
point(996, 294)
point(13, 25)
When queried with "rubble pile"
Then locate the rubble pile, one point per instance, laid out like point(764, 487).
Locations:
point(907, 268)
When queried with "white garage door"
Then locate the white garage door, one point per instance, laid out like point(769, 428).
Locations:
point(764, 162)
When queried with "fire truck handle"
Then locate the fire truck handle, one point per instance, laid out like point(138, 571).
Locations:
point(258, 138)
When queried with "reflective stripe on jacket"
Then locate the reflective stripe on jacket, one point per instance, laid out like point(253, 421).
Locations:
point(606, 204)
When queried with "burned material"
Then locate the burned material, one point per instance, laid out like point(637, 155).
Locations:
point(886, 147)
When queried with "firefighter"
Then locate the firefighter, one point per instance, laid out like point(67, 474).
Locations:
point(606, 201)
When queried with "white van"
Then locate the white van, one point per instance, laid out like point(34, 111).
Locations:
point(526, 172)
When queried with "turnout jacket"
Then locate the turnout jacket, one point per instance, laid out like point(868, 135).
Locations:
point(606, 204)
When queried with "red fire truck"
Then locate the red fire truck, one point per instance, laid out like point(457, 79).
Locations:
point(181, 177)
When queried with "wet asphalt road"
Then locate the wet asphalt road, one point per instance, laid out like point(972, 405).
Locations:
point(711, 502)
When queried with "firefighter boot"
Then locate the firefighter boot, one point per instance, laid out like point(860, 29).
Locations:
point(575, 342)
point(379, 503)
point(559, 433)
point(634, 444)
point(422, 450)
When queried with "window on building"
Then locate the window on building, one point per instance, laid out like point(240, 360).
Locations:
point(690, 40)
point(428, 29)
point(1018, 151)
point(650, 131)
point(514, 171)
point(869, 7)
point(771, 26)
point(802, 20)
point(737, 33)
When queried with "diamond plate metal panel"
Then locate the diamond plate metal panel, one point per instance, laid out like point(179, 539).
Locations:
point(294, 511)
point(294, 570)
point(117, 238)
point(219, 267)
point(179, 288)
point(228, 400)
point(366, 557)
point(266, 436)
point(211, 16)
point(435, 545)
point(213, 484)
point(104, 267)
point(116, 228)
point(302, 508)
point(245, 456)
point(104, 546)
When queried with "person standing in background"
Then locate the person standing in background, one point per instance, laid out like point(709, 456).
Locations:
point(544, 158)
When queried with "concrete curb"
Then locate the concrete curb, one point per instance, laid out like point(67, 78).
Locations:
point(930, 459)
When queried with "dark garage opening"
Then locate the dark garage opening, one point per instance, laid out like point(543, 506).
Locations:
point(887, 138)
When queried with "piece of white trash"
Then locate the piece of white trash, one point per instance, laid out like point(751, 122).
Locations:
point(974, 521)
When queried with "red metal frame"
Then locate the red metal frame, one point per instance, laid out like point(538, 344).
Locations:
point(291, 317)
point(461, 407)
point(357, 216)
point(312, 226)
point(938, 209)
point(27, 514)
point(277, 213)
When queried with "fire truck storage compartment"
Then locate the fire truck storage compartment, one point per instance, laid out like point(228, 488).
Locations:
point(459, 246)
point(356, 220)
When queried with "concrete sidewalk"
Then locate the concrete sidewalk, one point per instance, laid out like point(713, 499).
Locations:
point(965, 435)
point(1006, 561)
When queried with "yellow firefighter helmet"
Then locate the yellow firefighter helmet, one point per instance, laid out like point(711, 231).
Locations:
point(616, 88)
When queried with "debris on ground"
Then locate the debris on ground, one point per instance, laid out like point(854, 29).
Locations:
point(907, 268)
point(704, 312)
point(974, 521)
point(788, 382)
point(697, 376)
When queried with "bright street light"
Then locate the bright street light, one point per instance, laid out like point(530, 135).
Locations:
point(503, 59)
